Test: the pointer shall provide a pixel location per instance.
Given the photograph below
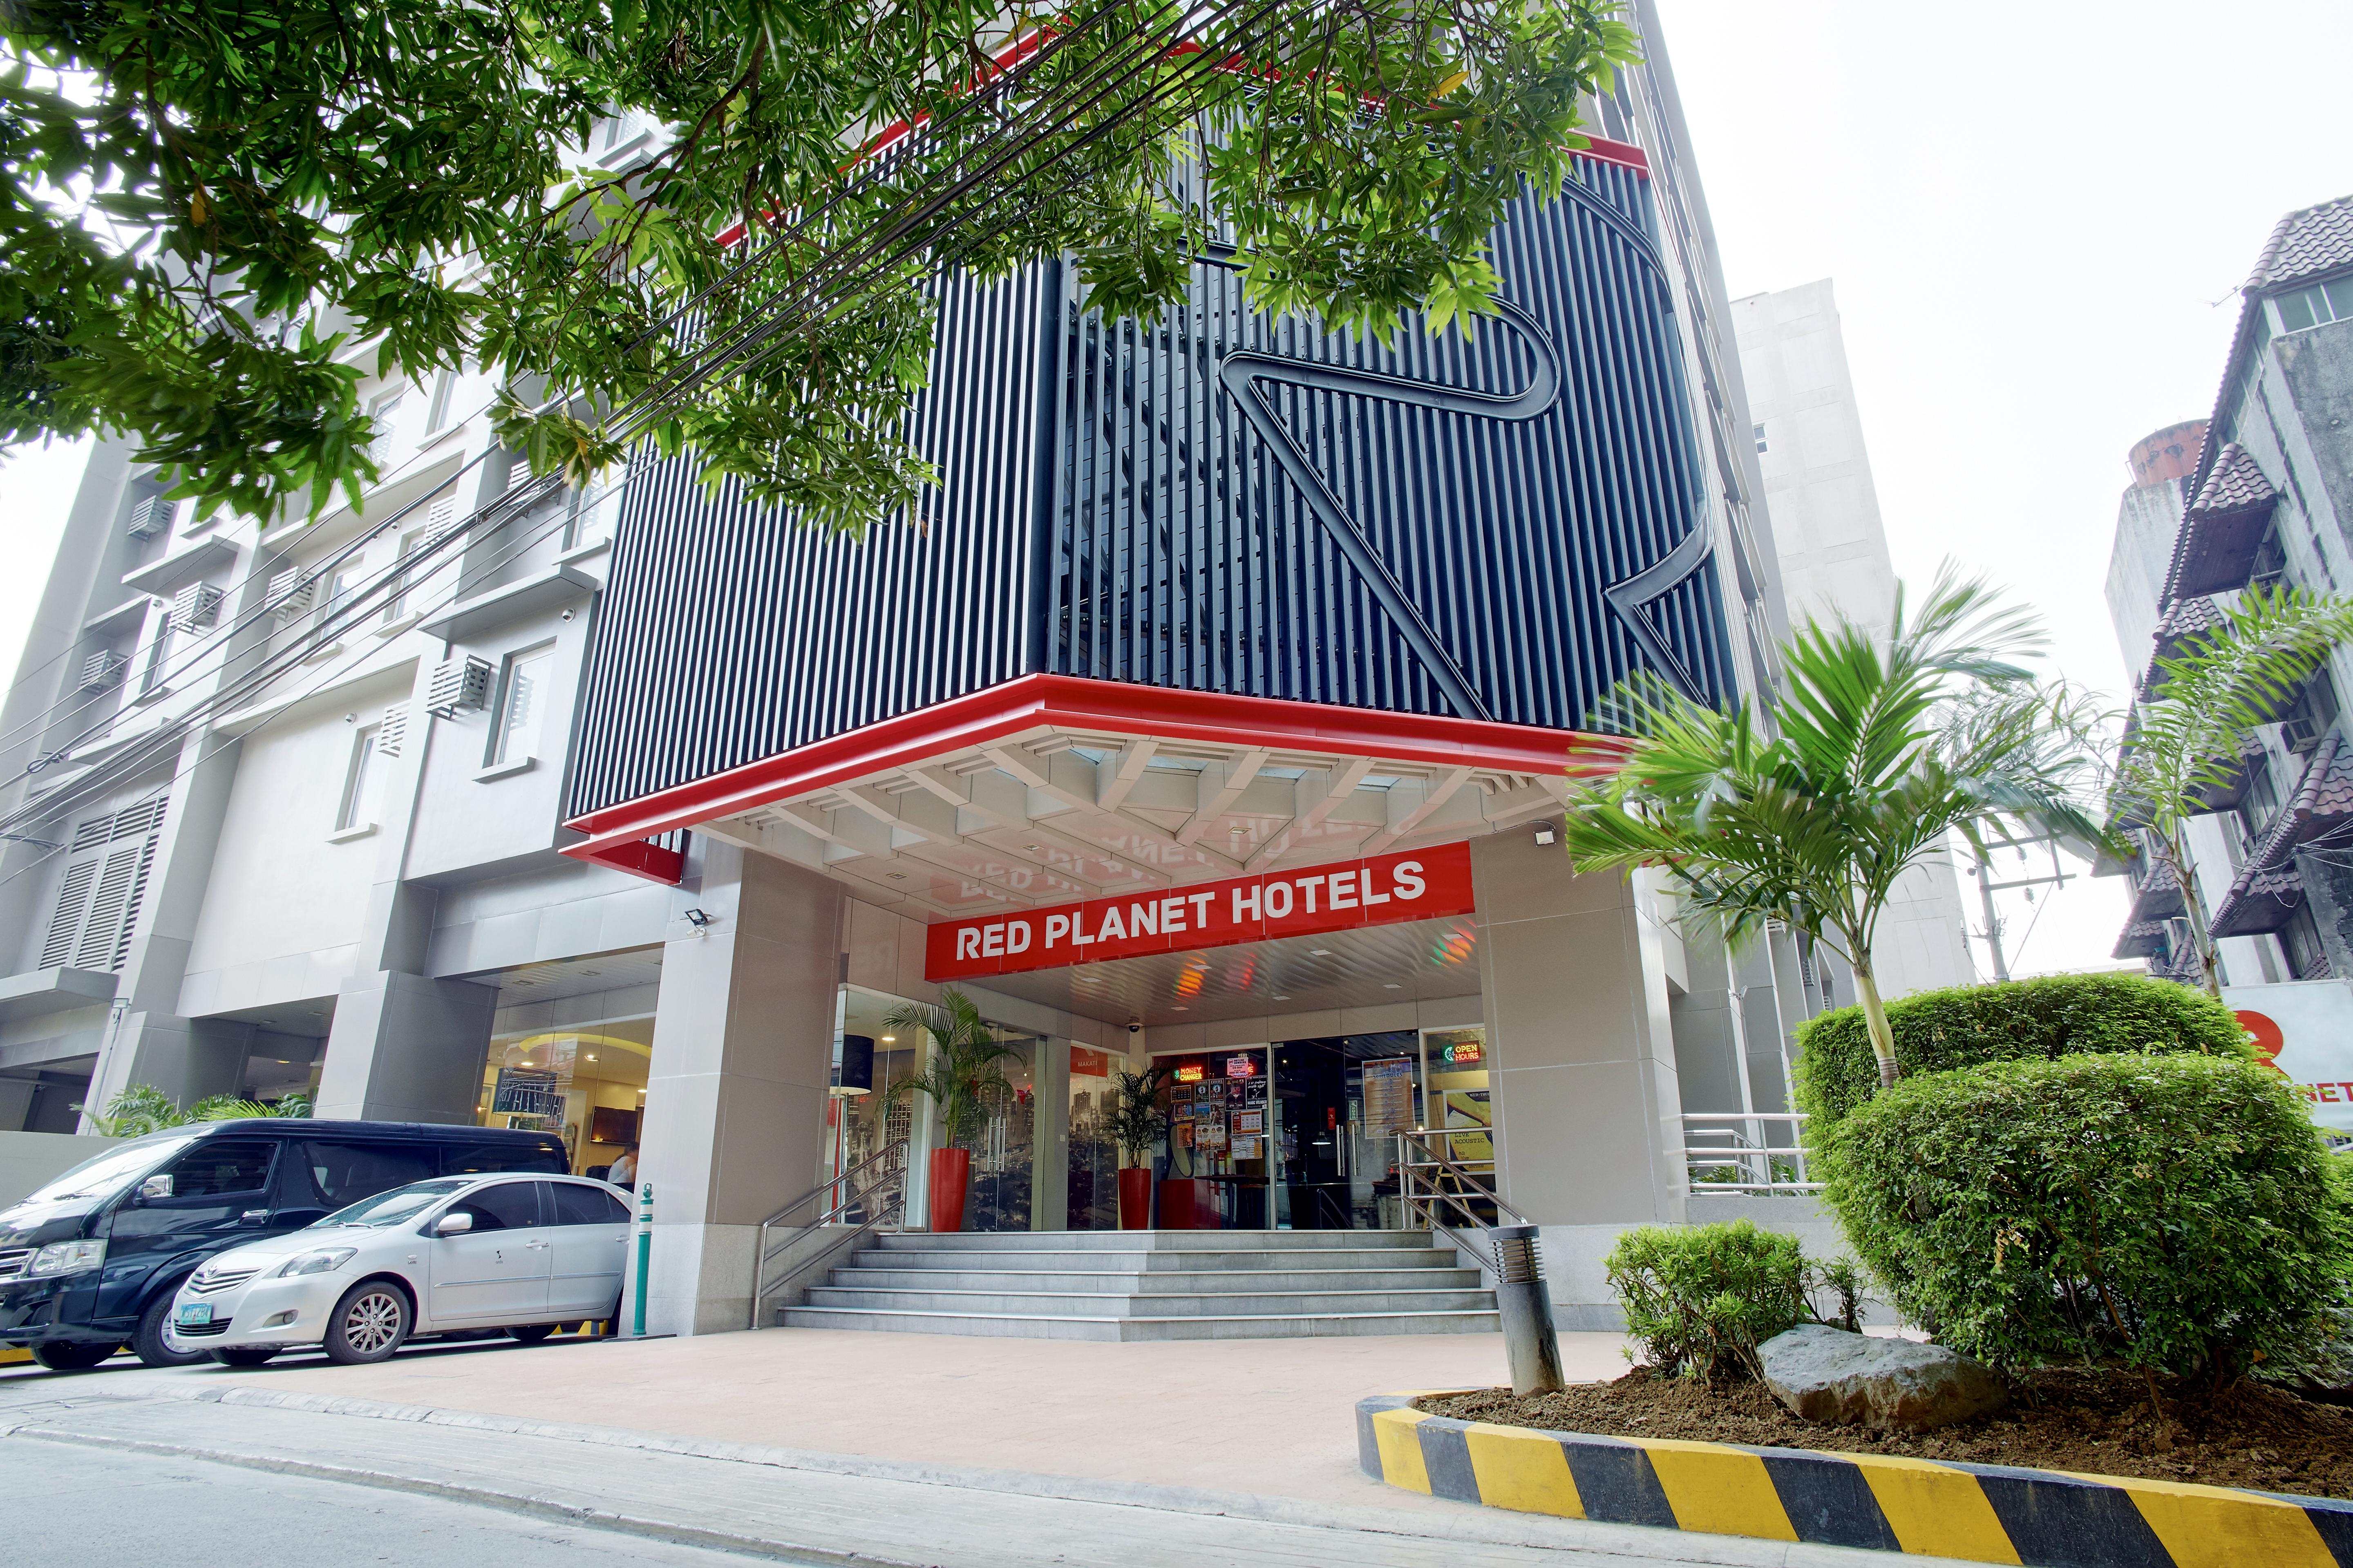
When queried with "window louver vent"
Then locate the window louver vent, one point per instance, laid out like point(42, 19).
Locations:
point(441, 517)
point(289, 596)
point(103, 671)
point(392, 731)
point(99, 901)
point(152, 517)
point(459, 685)
point(196, 607)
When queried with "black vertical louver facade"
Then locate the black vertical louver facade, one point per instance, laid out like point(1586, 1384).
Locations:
point(1499, 523)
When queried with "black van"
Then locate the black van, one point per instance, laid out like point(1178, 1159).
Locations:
point(90, 1262)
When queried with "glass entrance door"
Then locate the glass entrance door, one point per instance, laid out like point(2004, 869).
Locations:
point(1342, 1102)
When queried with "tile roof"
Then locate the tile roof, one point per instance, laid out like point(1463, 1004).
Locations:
point(2185, 620)
point(2306, 244)
point(2323, 799)
point(2141, 939)
point(2234, 484)
point(2258, 902)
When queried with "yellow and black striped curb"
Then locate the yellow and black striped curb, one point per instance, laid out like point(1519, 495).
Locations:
point(1982, 1514)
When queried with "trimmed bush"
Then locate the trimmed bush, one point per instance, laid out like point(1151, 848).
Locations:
point(2059, 1014)
point(1700, 1299)
point(2176, 1213)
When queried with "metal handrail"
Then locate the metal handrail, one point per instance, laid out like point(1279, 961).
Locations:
point(1426, 1206)
point(1746, 1150)
point(891, 1156)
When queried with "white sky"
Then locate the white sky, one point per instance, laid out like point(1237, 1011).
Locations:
point(2036, 218)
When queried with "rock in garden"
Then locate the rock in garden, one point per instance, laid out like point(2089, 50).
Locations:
point(1841, 1379)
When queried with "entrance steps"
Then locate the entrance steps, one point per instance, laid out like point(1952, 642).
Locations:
point(1152, 1285)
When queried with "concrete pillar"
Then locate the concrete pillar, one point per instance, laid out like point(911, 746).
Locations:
point(404, 1048)
point(1588, 1107)
point(1050, 1178)
point(734, 1123)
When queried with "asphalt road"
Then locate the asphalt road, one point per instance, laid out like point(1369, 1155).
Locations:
point(88, 1508)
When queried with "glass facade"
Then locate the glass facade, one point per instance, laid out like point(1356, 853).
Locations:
point(586, 1083)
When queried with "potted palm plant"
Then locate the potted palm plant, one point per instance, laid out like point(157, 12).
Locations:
point(1135, 1121)
point(965, 1085)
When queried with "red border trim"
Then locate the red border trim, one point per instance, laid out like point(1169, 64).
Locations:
point(1070, 702)
point(1624, 154)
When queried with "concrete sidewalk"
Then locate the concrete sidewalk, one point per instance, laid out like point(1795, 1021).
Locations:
point(1268, 1417)
point(803, 1508)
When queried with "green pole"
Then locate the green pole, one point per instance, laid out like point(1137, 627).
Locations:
point(645, 1256)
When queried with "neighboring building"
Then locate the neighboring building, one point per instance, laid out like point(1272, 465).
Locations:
point(2269, 499)
point(646, 800)
point(1833, 563)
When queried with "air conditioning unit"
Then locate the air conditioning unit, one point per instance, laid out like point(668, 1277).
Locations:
point(458, 685)
point(103, 671)
point(2300, 735)
point(288, 593)
point(196, 607)
point(152, 517)
point(392, 729)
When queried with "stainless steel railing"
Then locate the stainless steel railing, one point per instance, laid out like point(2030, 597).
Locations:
point(1743, 1152)
point(877, 1185)
point(1446, 1194)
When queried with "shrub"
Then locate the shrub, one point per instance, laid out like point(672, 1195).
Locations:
point(2059, 1014)
point(1700, 1299)
point(2173, 1213)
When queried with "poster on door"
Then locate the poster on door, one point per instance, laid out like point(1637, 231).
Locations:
point(2304, 1032)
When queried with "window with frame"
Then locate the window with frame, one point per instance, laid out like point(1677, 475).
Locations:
point(384, 409)
point(523, 703)
point(2260, 801)
point(357, 808)
point(2299, 939)
point(2315, 306)
point(436, 411)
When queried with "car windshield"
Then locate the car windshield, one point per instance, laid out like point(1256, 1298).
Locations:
point(103, 1176)
point(400, 1204)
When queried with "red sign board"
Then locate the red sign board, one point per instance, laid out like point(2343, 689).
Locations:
point(1417, 884)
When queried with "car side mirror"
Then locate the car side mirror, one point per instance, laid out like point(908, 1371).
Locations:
point(453, 1224)
point(156, 1188)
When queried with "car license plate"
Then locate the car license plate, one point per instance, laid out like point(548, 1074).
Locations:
point(196, 1314)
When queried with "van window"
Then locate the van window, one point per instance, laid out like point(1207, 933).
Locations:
point(486, 1158)
point(586, 1205)
point(219, 1165)
point(344, 1172)
point(103, 1176)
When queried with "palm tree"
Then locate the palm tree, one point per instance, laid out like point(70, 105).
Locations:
point(2188, 742)
point(1876, 750)
point(961, 1079)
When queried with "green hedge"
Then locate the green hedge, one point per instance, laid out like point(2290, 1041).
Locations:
point(1700, 1299)
point(1938, 1031)
point(2170, 1212)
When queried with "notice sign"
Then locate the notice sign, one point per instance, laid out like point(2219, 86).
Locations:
point(2303, 1031)
point(1418, 885)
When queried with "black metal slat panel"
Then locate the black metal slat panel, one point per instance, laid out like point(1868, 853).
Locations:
point(1108, 510)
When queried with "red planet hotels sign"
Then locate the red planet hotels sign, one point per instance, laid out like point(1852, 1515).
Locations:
point(1418, 885)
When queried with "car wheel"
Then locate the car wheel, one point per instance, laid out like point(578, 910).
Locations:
point(369, 1323)
point(148, 1342)
point(531, 1334)
point(245, 1355)
point(63, 1355)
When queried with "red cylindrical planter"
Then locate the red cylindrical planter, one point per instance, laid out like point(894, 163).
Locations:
point(1188, 1203)
point(1135, 1198)
point(951, 1176)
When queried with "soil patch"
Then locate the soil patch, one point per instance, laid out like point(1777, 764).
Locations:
point(2250, 1435)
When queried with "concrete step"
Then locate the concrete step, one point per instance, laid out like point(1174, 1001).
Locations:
point(1097, 1260)
point(1119, 1304)
point(1152, 1240)
point(876, 1273)
point(1068, 1326)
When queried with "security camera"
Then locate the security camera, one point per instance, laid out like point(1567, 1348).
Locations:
point(1135, 1026)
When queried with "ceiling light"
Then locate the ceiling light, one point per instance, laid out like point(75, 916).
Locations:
point(896, 875)
point(592, 1056)
point(1282, 998)
point(1180, 1009)
point(890, 1040)
point(526, 1064)
point(1319, 953)
point(1392, 985)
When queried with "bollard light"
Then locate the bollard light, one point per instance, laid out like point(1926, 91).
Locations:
point(1531, 1345)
